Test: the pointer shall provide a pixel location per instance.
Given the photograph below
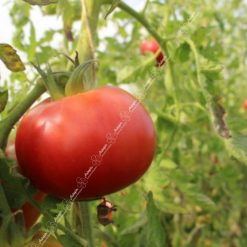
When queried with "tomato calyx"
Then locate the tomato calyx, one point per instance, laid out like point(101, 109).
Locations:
point(78, 81)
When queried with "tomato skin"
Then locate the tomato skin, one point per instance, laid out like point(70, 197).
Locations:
point(152, 45)
point(56, 141)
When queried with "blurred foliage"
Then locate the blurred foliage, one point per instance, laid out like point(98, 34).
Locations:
point(194, 194)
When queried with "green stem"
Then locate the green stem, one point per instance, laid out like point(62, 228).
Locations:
point(8, 123)
point(89, 20)
point(205, 93)
point(87, 40)
point(67, 231)
point(86, 223)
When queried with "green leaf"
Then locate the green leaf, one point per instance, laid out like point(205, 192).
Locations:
point(40, 2)
point(68, 241)
point(156, 183)
point(199, 36)
point(237, 147)
point(3, 99)
point(13, 186)
point(135, 227)
point(155, 235)
point(168, 164)
point(10, 58)
point(200, 200)
point(183, 52)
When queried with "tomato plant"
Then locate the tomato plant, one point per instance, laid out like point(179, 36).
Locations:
point(180, 185)
point(96, 123)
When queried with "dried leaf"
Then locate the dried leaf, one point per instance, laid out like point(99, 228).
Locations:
point(219, 115)
point(10, 58)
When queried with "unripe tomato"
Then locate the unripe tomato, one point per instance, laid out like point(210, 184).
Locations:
point(245, 104)
point(93, 143)
point(152, 45)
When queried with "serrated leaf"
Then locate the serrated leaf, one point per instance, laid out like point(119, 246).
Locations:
point(10, 58)
point(113, 6)
point(200, 199)
point(155, 234)
point(155, 182)
point(237, 147)
point(40, 2)
point(3, 99)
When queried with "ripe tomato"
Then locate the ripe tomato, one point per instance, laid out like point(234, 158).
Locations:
point(90, 144)
point(245, 104)
point(40, 236)
point(152, 45)
point(30, 213)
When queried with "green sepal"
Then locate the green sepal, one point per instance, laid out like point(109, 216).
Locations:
point(76, 83)
point(53, 88)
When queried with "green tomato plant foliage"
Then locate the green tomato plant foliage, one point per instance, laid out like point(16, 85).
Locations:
point(194, 194)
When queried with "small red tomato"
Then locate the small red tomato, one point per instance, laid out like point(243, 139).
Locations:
point(152, 45)
point(87, 145)
point(104, 212)
point(245, 104)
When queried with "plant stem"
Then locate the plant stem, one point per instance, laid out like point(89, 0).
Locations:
point(87, 40)
point(7, 124)
point(78, 239)
point(86, 223)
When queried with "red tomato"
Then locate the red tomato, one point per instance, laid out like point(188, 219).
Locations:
point(245, 104)
point(103, 138)
point(152, 46)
